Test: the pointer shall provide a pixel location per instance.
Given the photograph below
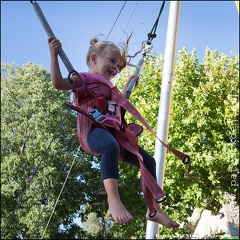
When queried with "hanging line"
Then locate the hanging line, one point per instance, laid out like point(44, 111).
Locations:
point(153, 34)
point(116, 19)
point(48, 195)
point(60, 192)
point(134, 12)
point(145, 48)
point(34, 173)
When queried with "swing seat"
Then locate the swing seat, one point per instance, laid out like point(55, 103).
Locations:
point(135, 128)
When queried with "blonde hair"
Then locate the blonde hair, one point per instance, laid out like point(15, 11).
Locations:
point(99, 47)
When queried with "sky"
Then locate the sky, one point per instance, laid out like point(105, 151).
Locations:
point(201, 24)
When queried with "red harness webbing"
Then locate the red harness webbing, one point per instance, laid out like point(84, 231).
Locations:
point(123, 102)
point(127, 140)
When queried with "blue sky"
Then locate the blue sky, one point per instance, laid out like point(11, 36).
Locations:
point(213, 24)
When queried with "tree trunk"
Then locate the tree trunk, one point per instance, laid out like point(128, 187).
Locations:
point(193, 220)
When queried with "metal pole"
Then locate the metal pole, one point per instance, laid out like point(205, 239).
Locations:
point(50, 33)
point(165, 103)
point(133, 81)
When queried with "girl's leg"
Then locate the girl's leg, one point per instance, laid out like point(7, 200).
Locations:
point(118, 211)
point(150, 163)
point(101, 141)
point(148, 160)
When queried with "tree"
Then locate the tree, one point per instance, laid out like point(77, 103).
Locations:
point(204, 117)
point(39, 144)
point(204, 121)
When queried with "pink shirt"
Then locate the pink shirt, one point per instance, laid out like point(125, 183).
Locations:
point(84, 124)
point(113, 114)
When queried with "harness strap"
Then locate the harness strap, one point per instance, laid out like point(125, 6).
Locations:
point(127, 140)
point(150, 187)
point(96, 120)
point(127, 106)
point(116, 96)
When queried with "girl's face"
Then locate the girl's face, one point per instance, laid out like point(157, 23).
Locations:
point(107, 65)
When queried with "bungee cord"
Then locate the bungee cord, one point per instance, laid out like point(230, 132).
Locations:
point(146, 47)
point(50, 33)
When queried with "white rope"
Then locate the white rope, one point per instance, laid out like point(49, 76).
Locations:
point(116, 19)
point(55, 181)
point(130, 19)
point(60, 193)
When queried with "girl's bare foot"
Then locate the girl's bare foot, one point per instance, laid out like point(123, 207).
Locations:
point(162, 218)
point(119, 212)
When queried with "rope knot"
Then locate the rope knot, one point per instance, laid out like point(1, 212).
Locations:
point(151, 35)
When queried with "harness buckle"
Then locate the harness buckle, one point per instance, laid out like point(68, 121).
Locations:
point(99, 117)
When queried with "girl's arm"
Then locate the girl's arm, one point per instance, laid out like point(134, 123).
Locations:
point(58, 81)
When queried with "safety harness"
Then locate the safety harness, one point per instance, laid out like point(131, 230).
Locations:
point(94, 95)
point(88, 93)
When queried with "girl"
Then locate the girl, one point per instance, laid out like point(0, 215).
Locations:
point(110, 139)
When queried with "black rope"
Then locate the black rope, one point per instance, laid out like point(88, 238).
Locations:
point(153, 34)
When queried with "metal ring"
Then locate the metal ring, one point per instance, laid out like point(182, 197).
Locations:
point(163, 198)
point(186, 159)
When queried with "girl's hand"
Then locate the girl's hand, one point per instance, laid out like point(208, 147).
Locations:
point(136, 80)
point(54, 45)
point(128, 82)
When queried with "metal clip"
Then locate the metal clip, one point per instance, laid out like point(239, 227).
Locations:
point(99, 117)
